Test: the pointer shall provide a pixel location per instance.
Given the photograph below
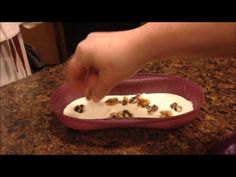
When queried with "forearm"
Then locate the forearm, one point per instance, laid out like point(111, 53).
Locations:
point(159, 40)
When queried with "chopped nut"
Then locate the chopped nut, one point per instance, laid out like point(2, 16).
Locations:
point(149, 108)
point(166, 113)
point(134, 99)
point(173, 105)
point(119, 114)
point(143, 102)
point(79, 108)
point(112, 101)
point(126, 113)
point(125, 101)
point(113, 115)
point(152, 109)
point(176, 107)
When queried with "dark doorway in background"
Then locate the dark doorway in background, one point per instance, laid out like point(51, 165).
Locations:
point(76, 32)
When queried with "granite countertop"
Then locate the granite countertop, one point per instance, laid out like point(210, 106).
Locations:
point(28, 126)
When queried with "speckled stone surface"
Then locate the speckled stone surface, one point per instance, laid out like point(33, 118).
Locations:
point(28, 126)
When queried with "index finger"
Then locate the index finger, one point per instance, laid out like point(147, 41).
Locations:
point(76, 75)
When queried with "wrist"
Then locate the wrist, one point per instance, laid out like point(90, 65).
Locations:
point(148, 42)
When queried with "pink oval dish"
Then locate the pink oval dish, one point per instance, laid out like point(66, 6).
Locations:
point(148, 83)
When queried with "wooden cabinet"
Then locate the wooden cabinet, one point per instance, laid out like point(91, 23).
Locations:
point(55, 42)
point(48, 39)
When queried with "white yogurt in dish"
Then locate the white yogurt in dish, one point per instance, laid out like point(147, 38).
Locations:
point(100, 110)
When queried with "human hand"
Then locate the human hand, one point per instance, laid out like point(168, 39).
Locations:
point(103, 60)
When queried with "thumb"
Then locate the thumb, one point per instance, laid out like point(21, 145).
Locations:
point(99, 90)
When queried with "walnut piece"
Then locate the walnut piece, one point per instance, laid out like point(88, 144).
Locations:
point(126, 113)
point(112, 101)
point(176, 107)
point(143, 102)
point(134, 99)
point(152, 109)
point(166, 113)
point(79, 108)
point(125, 101)
point(121, 114)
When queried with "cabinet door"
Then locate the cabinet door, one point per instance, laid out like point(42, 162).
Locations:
point(43, 38)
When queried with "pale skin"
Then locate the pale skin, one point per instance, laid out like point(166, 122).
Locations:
point(104, 59)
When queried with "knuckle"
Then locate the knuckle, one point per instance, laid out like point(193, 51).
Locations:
point(81, 46)
point(91, 35)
